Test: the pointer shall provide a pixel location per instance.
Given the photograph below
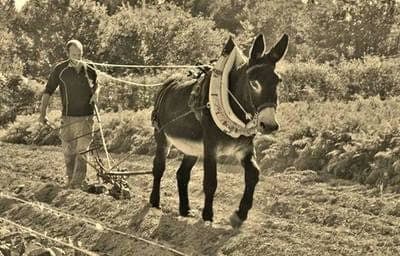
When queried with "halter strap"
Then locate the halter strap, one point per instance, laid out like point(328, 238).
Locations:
point(266, 105)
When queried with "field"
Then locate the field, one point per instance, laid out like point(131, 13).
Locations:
point(305, 202)
point(330, 178)
point(295, 212)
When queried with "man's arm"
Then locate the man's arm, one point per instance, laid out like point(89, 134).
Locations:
point(51, 86)
point(96, 88)
point(43, 108)
point(95, 96)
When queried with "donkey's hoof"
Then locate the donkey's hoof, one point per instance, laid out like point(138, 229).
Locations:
point(154, 202)
point(235, 221)
point(151, 205)
point(187, 213)
point(208, 224)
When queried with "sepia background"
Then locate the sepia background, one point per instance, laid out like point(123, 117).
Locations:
point(330, 178)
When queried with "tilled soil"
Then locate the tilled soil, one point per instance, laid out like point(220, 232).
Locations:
point(294, 212)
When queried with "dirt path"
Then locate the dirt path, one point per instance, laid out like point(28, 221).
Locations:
point(294, 212)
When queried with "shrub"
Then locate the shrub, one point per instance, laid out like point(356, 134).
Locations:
point(118, 96)
point(370, 76)
point(42, 29)
point(155, 35)
point(19, 96)
point(124, 131)
point(311, 81)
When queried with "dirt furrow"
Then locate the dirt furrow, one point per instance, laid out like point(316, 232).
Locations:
point(294, 212)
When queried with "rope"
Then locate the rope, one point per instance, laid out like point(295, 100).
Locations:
point(31, 231)
point(103, 140)
point(135, 66)
point(142, 66)
point(124, 81)
point(98, 225)
point(247, 115)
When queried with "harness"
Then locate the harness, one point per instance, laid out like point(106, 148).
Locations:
point(217, 99)
point(195, 102)
point(220, 108)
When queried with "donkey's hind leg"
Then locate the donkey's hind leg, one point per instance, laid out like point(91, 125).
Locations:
point(162, 151)
point(183, 177)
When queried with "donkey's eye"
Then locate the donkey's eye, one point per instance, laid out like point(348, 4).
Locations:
point(256, 86)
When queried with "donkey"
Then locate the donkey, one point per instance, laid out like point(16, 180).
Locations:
point(254, 84)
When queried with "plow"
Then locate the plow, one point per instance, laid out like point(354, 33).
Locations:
point(111, 177)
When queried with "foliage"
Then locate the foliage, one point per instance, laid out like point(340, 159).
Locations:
point(19, 96)
point(156, 36)
point(151, 31)
point(117, 96)
point(370, 76)
point(344, 139)
point(310, 82)
point(43, 27)
point(273, 19)
point(9, 61)
point(347, 80)
point(357, 140)
point(351, 29)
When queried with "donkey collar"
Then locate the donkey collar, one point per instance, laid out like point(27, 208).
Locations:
point(220, 109)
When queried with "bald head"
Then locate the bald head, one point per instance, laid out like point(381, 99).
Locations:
point(75, 51)
point(75, 43)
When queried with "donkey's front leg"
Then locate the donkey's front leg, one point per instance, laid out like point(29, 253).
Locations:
point(158, 167)
point(209, 179)
point(251, 173)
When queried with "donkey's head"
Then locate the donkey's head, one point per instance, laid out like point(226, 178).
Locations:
point(261, 81)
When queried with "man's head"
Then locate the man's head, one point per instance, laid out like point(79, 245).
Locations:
point(74, 50)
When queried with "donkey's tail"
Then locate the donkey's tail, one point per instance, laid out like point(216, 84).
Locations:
point(159, 97)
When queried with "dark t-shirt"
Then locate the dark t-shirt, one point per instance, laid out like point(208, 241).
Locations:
point(76, 88)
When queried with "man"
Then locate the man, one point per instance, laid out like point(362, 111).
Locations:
point(79, 93)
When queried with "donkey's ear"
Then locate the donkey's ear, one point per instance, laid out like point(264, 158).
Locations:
point(229, 45)
point(279, 50)
point(257, 48)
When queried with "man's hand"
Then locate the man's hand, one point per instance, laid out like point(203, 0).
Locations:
point(93, 100)
point(43, 119)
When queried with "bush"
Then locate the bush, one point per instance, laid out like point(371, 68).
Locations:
point(311, 81)
point(369, 77)
point(358, 140)
point(118, 96)
point(19, 96)
point(155, 35)
point(42, 29)
point(124, 131)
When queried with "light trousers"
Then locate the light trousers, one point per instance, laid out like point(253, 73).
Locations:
point(76, 136)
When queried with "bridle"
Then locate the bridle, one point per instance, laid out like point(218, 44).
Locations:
point(255, 110)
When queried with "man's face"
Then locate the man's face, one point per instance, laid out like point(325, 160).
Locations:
point(75, 53)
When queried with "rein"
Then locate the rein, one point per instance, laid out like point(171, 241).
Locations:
point(94, 64)
point(144, 66)
point(182, 116)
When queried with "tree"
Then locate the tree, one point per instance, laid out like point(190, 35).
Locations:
point(351, 28)
point(43, 27)
point(273, 18)
point(9, 62)
point(159, 34)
